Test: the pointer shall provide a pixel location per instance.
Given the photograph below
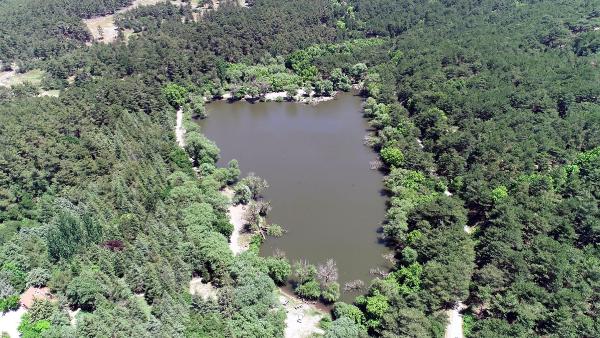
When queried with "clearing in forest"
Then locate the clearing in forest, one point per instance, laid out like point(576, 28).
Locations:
point(13, 77)
point(103, 27)
point(240, 239)
point(302, 319)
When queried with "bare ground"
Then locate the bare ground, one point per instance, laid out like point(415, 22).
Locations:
point(455, 325)
point(179, 130)
point(240, 239)
point(9, 322)
point(205, 290)
point(302, 319)
point(12, 77)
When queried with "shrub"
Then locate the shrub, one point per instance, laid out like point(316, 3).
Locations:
point(309, 290)
point(279, 269)
point(38, 277)
point(392, 156)
point(331, 292)
point(9, 303)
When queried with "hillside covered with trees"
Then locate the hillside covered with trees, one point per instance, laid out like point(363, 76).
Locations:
point(485, 114)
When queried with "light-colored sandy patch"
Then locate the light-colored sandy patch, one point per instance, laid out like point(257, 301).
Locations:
point(242, 3)
point(12, 77)
point(52, 93)
point(275, 96)
point(455, 322)
point(9, 322)
point(240, 239)
point(309, 97)
point(205, 290)
point(317, 99)
point(302, 319)
point(301, 96)
point(179, 130)
point(73, 316)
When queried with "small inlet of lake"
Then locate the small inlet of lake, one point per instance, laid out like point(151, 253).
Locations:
point(321, 187)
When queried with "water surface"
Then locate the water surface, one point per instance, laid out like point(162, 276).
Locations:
point(321, 188)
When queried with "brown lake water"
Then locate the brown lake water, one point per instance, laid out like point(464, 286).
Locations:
point(321, 187)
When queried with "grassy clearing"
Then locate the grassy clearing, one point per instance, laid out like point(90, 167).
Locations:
point(103, 27)
point(12, 78)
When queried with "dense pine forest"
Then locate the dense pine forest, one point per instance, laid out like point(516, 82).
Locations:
point(485, 114)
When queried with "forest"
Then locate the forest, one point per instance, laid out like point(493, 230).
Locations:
point(485, 115)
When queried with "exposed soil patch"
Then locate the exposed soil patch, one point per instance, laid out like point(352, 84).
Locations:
point(302, 319)
point(240, 239)
point(205, 290)
point(455, 324)
point(13, 77)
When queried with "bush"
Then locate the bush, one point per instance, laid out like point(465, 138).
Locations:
point(29, 329)
point(175, 94)
point(279, 269)
point(331, 292)
point(38, 277)
point(275, 230)
point(309, 290)
point(9, 303)
point(392, 156)
point(342, 309)
point(224, 227)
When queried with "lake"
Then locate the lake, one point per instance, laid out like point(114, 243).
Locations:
point(321, 187)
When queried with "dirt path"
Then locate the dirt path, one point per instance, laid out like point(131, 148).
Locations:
point(455, 325)
point(179, 130)
point(240, 240)
point(302, 319)
point(205, 290)
point(454, 329)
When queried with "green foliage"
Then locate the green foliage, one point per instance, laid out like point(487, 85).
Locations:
point(242, 194)
point(331, 292)
point(29, 329)
point(275, 230)
point(233, 172)
point(376, 306)
point(29, 28)
point(304, 272)
point(392, 156)
point(9, 303)
point(468, 323)
point(499, 193)
point(87, 288)
point(343, 327)
point(279, 269)
point(340, 80)
point(409, 255)
point(342, 309)
point(323, 87)
point(38, 277)
point(70, 231)
point(175, 94)
point(300, 63)
point(201, 149)
point(308, 290)
point(498, 94)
